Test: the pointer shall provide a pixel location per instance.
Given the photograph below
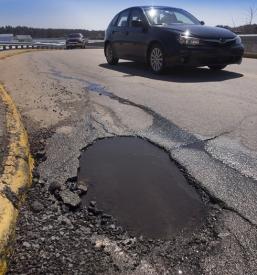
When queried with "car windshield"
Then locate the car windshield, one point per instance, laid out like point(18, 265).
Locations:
point(169, 16)
point(75, 35)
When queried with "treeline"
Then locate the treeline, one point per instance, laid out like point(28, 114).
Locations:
point(62, 33)
point(49, 33)
point(246, 29)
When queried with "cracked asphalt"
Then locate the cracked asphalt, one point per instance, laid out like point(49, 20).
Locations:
point(205, 120)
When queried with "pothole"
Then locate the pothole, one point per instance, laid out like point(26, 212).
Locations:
point(138, 184)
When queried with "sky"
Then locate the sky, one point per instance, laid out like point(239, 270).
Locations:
point(96, 14)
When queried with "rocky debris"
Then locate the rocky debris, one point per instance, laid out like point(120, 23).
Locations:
point(82, 187)
point(35, 180)
point(70, 198)
point(26, 244)
point(54, 186)
point(92, 209)
point(223, 235)
point(41, 155)
point(71, 185)
point(64, 220)
point(92, 204)
point(36, 206)
point(129, 241)
point(106, 216)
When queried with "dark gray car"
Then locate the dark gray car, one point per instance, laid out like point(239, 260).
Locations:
point(76, 40)
point(164, 36)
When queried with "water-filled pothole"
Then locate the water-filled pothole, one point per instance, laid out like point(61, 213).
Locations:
point(138, 184)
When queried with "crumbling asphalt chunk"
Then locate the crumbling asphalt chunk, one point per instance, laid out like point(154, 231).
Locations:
point(82, 187)
point(54, 186)
point(70, 198)
point(37, 207)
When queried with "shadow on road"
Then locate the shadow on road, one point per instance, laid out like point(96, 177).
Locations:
point(180, 75)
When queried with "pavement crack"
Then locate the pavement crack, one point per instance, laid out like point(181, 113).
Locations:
point(104, 127)
point(226, 207)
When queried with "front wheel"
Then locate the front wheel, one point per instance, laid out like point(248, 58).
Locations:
point(110, 57)
point(217, 67)
point(156, 59)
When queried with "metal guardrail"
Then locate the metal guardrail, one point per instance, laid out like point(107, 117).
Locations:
point(43, 45)
point(250, 43)
point(15, 45)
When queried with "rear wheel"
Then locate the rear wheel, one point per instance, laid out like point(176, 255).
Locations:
point(110, 56)
point(156, 59)
point(217, 67)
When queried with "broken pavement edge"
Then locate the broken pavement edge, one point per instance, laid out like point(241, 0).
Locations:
point(16, 177)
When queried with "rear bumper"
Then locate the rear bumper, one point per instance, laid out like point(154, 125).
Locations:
point(197, 57)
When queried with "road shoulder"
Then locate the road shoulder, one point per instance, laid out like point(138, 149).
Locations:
point(15, 175)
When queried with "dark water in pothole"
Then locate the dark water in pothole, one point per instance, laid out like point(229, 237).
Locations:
point(138, 184)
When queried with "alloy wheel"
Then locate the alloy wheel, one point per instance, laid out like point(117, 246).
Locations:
point(156, 59)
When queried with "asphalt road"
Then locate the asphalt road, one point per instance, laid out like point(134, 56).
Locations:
point(206, 120)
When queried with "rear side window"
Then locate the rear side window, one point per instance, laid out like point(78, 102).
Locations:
point(136, 15)
point(123, 19)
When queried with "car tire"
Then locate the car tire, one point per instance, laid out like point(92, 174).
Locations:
point(110, 56)
point(156, 59)
point(217, 67)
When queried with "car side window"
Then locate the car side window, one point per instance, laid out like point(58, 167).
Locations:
point(136, 15)
point(182, 19)
point(123, 19)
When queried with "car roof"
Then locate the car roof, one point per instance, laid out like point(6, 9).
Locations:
point(148, 7)
point(152, 6)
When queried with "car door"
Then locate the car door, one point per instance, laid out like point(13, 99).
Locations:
point(119, 33)
point(137, 35)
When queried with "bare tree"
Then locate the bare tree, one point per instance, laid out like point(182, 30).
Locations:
point(233, 21)
point(252, 12)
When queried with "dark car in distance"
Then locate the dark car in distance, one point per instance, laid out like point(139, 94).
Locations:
point(164, 36)
point(76, 40)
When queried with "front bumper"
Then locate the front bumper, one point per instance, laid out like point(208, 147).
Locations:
point(206, 56)
point(74, 44)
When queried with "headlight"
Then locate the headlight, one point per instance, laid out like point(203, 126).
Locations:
point(238, 40)
point(186, 39)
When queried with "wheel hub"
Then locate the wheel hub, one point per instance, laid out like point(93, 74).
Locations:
point(156, 59)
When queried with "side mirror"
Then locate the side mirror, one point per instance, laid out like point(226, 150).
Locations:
point(137, 24)
point(202, 23)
